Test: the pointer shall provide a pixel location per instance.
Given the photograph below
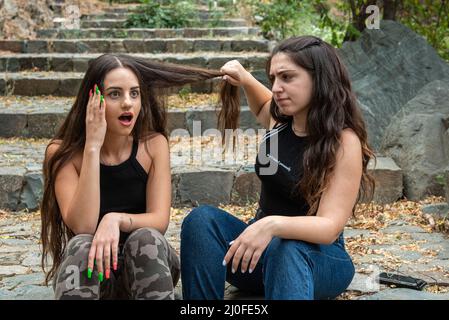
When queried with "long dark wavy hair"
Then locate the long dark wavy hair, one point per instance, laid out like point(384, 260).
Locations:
point(153, 78)
point(333, 107)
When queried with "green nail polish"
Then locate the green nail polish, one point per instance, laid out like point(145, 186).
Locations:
point(89, 273)
point(101, 98)
point(100, 276)
point(97, 90)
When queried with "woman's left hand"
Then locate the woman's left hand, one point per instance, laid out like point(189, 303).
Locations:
point(249, 245)
point(105, 244)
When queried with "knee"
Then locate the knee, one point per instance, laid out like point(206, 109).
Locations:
point(284, 249)
point(145, 241)
point(79, 244)
point(198, 218)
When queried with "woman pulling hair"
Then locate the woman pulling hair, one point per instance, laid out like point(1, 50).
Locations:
point(312, 165)
point(107, 193)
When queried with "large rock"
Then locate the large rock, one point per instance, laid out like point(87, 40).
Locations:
point(387, 68)
point(417, 141)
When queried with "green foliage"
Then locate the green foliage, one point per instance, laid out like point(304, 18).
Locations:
point(171, 14)
point(215, 15)
point(440, 180)
point(430, 19)
point(184, 92)
point(123, 1)
point(278, 19)
point(335, 28)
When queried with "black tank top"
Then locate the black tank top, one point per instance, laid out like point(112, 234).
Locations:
point(279, 195)
point(123, 187)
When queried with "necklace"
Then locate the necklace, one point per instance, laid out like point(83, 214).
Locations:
point(298, 132)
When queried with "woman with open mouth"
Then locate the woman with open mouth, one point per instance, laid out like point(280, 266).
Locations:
point(107, 194)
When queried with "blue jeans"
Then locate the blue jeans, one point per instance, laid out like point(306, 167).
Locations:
point(288, 269)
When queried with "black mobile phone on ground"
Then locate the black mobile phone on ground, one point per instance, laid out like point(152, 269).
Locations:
point(401, 281)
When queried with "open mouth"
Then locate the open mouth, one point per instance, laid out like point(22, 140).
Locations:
point(126, 118)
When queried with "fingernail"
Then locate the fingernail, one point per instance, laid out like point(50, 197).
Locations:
point(97, 90)
point(90, 93)
point(101, 99)
point(89, 273)
point(250, 270)
point(107, 273)
point(243, 271)
point(233, 271)
point(115, 266)
point(230, 243)
point(224, 263)
point(100, 276)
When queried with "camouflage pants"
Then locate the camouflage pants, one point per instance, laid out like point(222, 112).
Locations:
point(148, 268)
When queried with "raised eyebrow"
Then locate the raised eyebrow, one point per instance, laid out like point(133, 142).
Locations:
point(137, 87)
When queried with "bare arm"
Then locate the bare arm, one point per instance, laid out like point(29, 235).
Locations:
point(258, 96)
point(78, 197)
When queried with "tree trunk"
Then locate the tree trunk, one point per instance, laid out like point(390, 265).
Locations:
point(358, 18)
point(390, 8)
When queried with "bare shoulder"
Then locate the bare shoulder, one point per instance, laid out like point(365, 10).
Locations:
point(154, 144)
point(150, 147)
point(350, 140)
point(350, 147)
point(52, 147)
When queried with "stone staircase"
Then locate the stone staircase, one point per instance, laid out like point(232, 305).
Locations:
point(39, 78)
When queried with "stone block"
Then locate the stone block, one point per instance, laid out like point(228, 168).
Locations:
point(12, 124)
point(246, 188)
point(389, 180)
point(205, 187)
point(44, 125)
point(11, 183)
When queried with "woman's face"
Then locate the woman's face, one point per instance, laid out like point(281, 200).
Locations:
point(292, 85)
point(123, 103)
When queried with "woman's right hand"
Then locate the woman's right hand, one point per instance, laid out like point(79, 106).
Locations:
point(235, 73)
point(95, 119)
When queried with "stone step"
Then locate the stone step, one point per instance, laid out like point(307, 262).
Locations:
point(202, 14)
point(69, 62)
point(40, 117)
point(122, 10)
point(199, 174)
point(106, 15)
point(147, 33)
point(134, 7)
point(66, 84)
point(157, 45)
point(121, 23)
